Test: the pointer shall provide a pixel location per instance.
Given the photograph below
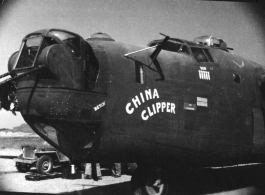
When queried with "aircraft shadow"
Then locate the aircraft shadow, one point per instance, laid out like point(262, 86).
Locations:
point(235, 180)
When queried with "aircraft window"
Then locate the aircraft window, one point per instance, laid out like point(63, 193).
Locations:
point(174, 47)
point(71, 41)
point(199, 54)
point(184, 49)
point(92, 69)
point(206, 51)
point(30, 49)
point(47, 41)
point(33, 41)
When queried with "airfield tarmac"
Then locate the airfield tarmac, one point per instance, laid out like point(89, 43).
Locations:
point(232, 181)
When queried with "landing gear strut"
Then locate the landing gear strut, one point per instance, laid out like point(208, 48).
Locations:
point(149, 181)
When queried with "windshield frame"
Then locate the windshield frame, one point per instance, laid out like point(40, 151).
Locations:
point(21, 49)
point(47, 33)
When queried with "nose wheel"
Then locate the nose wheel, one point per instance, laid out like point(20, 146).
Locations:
point(149, 181)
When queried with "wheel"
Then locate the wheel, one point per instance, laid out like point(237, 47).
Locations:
point(22, 168)
point(148, 182)
point(44, 164)
point(155, 186)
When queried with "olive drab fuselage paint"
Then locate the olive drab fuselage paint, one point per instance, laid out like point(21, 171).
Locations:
point(173, 102)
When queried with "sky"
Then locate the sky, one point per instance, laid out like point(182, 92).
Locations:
point(240, 24)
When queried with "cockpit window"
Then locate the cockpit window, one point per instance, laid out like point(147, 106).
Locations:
point(174, 47)
point(92, 69)
point(169, 46)
point(29, 50)
point(183, 49)
point(206, 51)
point(33, 41)
point(71, 41)
point(201, 55)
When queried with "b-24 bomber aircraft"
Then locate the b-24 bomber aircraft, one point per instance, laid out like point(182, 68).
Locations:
point(173, 103)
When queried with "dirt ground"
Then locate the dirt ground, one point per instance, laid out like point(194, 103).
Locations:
point(13, 181)
point(233, 181)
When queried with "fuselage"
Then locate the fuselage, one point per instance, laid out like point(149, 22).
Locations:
point(104, 105)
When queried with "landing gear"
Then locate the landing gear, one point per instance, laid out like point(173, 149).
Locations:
point(149, 181)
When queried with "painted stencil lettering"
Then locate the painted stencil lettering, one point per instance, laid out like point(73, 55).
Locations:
point(155, 108)
point(99, 106)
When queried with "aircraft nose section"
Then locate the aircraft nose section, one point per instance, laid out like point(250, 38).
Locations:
point(75, 117)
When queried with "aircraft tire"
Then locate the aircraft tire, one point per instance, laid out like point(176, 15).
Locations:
point(44, 164)
point(142, 183)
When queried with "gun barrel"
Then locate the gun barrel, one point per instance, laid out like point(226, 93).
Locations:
point(18, 76)
point(5, 74)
